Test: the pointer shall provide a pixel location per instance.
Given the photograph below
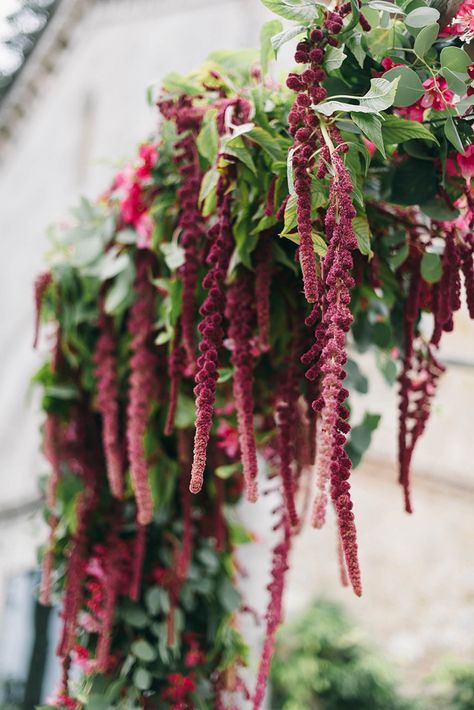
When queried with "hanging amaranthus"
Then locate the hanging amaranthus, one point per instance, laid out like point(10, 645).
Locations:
point(241, 316)
point(190, 221)
point(263, 277)
point(105, 361)
point(142, 385)
point(42, 282)
point(212, 332)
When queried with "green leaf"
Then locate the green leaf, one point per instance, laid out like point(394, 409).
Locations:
point(363, 234)
point(431, 269)
point(397, 130)
point(120, 294)
point(173, 253)
point(136, 617)
point(236, 147)
point(208, 185)
point(113, 263)
point(266, 141)
point(269, 30)
point(333, 58)
point(401, 255)
point(177, 84)
point(371, 127)
point(435, 209)
point(208, 137)
point(451, 133)
point(142, 679)
point(283, 37)
point(379, 97)
point(228, 596)
point(425, 39)
point(409, 88)
point(299, 10)
point(454, 58)
point(456, 81)
point(143, 650)
point(384, 6)
point(421, 17)
point(227, 470)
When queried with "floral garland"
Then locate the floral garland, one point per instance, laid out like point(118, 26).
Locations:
point(208, 307)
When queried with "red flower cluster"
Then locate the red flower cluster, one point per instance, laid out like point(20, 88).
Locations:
point(131, 182)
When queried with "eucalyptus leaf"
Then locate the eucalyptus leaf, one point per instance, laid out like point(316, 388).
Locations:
point(410, 87)
point(425, 39)
point(431, 269)
point(451, 133)
point(456, 81)
point(143, 650)
point(421, 17)
point(454, 58)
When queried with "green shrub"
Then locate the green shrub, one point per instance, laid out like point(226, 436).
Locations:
point(322, 663)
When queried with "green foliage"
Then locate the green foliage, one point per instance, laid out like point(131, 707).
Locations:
point(322, 663)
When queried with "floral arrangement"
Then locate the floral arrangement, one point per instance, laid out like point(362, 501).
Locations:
point(203, 314)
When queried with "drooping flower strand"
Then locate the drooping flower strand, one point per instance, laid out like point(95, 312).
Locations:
point(263, 276)
point(274, 613)
point(105, 361)
point(212, 332)
point(332, 463)
point(190, 220)
point(410, 318)
point(142, 384)
point(286, 417)
point(137, 561)
point(240, 315)
point(42, 282)
point(303, 125)
point(447, 293)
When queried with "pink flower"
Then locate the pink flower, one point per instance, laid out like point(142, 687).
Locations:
point(228, 439)
point(466, 163)
point(437, 95)
point(148, 155)
point(144, 226)
point(463, 23)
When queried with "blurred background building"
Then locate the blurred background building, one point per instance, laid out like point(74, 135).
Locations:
point(73, 78)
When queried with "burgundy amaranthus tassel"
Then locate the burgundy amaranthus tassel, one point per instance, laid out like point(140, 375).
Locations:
point(105, 361)
point(142, 386)
point(303, 125)
point(287, 423)
point(263, 276)
point(411, 314)
point(447, 293)
point(274, 612)
point(42, 282)
point(240, 314)
point(212, 331)
point(333, 465)
point(190, 221)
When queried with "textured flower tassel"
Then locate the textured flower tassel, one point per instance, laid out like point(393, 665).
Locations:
point(105, 361)
point(240, 314)
point(212, 333)
point(142, 386)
